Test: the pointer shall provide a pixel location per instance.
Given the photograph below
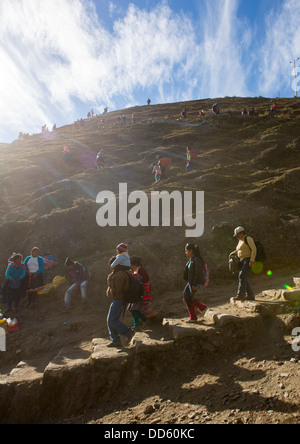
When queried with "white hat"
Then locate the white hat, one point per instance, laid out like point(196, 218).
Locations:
point(238, 230)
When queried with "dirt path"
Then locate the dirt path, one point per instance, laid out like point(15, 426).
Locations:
point(258, 385)
point(254, 387)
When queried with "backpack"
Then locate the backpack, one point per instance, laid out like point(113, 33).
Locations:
point(206, 274)
point(135, 292)
point(234, 264)
point(261, 255)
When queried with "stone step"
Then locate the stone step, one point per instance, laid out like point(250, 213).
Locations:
point(293, 296)
point(77, 379)
point(297, 282)
point(265, 308)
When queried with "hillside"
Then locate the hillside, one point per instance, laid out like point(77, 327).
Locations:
point(248, 167)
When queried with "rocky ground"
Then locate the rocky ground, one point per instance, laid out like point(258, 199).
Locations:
point(258, 384)
point(243, 370)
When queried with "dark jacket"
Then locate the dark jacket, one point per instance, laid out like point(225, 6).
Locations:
point(194, 271)
point(79, 274)
point(118, 284)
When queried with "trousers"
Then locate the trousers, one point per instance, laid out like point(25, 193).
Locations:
point(244, 287)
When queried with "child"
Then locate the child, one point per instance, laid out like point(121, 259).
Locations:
point(140, 273)
point(194, 275)
point(15, 274)
point(122, 256)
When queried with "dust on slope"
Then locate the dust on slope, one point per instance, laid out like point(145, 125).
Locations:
point(247, 166)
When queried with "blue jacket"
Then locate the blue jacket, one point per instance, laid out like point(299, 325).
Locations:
point(15, 272)
point(122, 259)
point(40, 262)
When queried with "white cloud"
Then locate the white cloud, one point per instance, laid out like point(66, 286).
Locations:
point(281, 45)
point(58, 50)
point(56, 53)
point(224, 39)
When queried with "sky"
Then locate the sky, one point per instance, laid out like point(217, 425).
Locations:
point(61, 58)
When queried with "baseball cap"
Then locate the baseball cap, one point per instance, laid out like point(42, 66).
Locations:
point(238, 230)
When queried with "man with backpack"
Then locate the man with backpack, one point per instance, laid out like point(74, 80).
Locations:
point(246, 251)
point(118, 283)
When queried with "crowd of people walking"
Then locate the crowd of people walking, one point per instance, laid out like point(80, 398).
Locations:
point(26, 278)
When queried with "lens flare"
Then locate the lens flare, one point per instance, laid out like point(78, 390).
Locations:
point(257, 267)
point(270, 273)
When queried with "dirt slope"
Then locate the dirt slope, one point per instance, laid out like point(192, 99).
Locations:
point(248, 167)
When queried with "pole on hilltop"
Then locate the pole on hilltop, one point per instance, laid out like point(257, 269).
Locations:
point(295, 75)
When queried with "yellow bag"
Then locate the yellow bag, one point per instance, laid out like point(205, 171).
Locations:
point(3, 322)
point(45, 289)
point(58, 281)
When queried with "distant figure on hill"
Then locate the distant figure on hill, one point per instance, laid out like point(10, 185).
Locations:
point(67, 155)
point(189, 160)
point(157, 172)
point(184, 113)
point(148, 102)
point(274, 109)
point(164, 164)
point(100, 161)
point(216, 109)
point(194, 275)
point(79, 277)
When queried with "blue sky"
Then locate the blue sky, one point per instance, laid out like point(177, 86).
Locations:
point(60, 58)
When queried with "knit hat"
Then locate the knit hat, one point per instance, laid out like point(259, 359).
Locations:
point(122, 247)
point(68, 262)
